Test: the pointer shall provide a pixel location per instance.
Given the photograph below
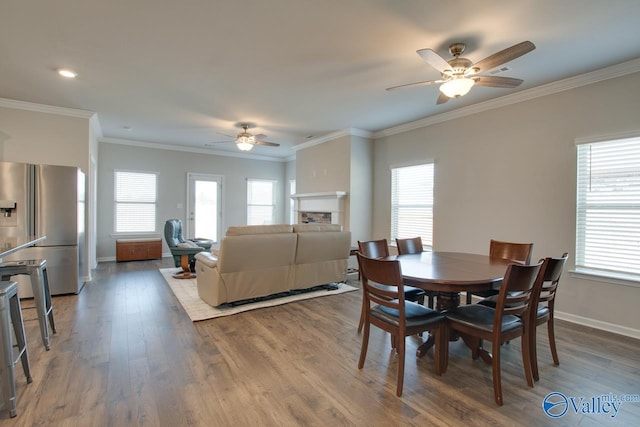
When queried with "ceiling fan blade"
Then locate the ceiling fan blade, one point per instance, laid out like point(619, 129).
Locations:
point(442, 99)
point(218, 142)
point(435, 60)
point(428, 82)
point(501, 57)
point(267, 143)
point(224, 134)
point(260, 136)
point(496, 81)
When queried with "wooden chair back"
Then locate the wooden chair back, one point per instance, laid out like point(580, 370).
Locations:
point(376, 271)
point(551, 278)
point(409, 246)
point(520, 252)
point(374, 248)
point(517, 292)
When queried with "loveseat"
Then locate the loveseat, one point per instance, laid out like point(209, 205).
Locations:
point(257, 261)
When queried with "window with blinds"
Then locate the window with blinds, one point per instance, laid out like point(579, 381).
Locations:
point(412, 203)
point(135, 202)
point(261, 201)
point(608, 207)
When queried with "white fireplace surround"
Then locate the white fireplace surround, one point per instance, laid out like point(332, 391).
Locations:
point(325, 202)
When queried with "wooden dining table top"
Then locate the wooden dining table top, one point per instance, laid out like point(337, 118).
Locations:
point(452, 271)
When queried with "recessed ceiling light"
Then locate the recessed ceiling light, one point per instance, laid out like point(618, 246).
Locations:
point(65, 72)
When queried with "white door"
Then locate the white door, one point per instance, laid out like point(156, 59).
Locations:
point(204, 214)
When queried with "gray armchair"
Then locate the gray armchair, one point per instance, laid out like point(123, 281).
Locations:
point(180, 246)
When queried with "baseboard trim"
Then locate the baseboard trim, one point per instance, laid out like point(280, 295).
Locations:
point(598, 324)
point(591, 323)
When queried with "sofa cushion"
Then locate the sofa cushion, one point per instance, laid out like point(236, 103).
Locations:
point(256, 252)
point(301, 228)
point(259, 229)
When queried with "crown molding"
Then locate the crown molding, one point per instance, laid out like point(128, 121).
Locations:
point(42, 108)
point(606, 73)
point(333, 136)
point(173, 147)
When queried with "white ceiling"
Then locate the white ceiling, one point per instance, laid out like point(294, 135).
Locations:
point(182, 73)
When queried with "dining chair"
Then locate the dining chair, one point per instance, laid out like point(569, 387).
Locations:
point(544, 302)
point(413, 245)
point(544, 307)
point(510, 319)
point(518, 252)
point(382, 285)
point(380, 249)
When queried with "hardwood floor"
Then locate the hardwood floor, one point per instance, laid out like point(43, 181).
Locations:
point(127, 354)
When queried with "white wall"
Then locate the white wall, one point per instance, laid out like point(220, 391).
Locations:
point(46, 138)
point(34, 133)
point(509, 174)
point(173, 167)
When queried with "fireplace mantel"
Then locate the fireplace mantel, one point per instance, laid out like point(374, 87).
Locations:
point(321, 195)
point(329, 202)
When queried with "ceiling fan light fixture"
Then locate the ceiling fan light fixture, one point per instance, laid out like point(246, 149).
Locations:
point(245, 142)
point(457, 87)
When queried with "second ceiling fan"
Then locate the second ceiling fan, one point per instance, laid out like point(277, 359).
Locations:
point(459, 75)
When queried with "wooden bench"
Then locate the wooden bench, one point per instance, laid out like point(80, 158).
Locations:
point(138, 249)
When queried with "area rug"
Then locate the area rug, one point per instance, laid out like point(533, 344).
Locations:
point(186, 292)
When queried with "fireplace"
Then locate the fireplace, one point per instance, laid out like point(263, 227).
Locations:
point(321, 208)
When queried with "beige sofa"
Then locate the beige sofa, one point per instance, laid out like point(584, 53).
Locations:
point(257, 261)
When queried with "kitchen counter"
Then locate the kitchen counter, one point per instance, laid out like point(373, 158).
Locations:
point(9, 245)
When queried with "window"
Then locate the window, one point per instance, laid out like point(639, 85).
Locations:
point(412, 203)
point(608, 208)
point(261, 201)
point(135, 202)
point(292, 203)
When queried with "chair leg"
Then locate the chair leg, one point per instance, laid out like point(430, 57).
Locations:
point(468, 298)
point(362, 315)
point(21, 339)
point(495, 366)
point(401, 348)
point(526, 355)
point(48, 303)
point(533, 351)
point(365, 344)
point(552, 340)
point(437, 350)
point(444, 348)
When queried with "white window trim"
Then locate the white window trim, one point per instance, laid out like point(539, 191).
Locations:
point(274, 196)
point(155, 233)
point(610, 277)
point(431, 162)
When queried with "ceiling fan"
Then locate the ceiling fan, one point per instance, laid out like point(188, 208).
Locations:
point(459, 75)
point(246, 141)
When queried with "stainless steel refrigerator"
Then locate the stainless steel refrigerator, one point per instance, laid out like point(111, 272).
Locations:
point(50, 201)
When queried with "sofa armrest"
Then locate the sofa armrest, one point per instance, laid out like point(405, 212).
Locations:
point(207, 259)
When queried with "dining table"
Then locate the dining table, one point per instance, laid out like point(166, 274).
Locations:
point(449, 274)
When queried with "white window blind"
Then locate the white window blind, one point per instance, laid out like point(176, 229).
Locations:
point(261, 201)
point(608, 207)
point(135, 202)
point(412, 203)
